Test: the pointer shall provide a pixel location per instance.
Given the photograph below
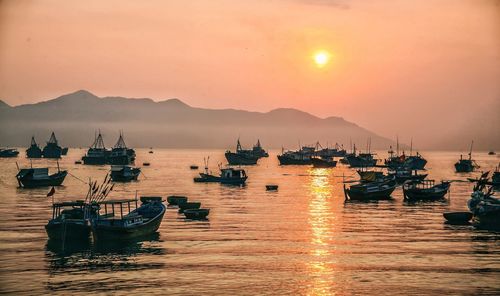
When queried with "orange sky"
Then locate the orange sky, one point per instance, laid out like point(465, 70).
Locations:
point(395, 64)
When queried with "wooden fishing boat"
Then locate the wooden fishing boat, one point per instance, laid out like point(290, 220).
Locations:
point(378, 190)
point(459, 218)
point(228, 175)
point(425, 190)
point(337, 151)
point(52, 148)
point(8, 152)
point(188, 205)
point(407, 175)
point(175, 200)
point(370, 175)
point(117, 224)
point(197, 214)
point(39, 177)
point(466, 165)
point(271, 187)
point(124, 173)
point(68, 221)
point(319, 162)
point(34, 151)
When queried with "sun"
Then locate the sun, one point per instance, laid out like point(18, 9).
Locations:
point(321, 58)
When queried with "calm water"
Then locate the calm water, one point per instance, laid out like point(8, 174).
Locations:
point(300, 240)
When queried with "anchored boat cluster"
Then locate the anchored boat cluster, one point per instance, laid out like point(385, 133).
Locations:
point(98, 218)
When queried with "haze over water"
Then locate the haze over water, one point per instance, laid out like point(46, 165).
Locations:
point(301, 240)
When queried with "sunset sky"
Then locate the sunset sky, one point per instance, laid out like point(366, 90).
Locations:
point(391, 66)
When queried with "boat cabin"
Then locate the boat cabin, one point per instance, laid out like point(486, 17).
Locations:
point(230, 173)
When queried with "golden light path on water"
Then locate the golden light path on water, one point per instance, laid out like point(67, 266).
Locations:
point(321, 222)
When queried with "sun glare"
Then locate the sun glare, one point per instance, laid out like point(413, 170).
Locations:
point(321, 58)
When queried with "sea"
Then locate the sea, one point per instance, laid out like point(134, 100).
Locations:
point(303, 239)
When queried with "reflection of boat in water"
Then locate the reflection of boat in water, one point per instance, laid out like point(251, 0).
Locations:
point(466, 165)
point(124, 173)
point(378, 190)
point(8, 152)
point(425, 190)
point(34, 151)
point(143, 220)
point(319, 162)
point(39, 177)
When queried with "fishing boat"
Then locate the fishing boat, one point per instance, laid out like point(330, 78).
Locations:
point(124, 173)
point(175, 200)
point(303, 156)
point(119, 222)
point(459, 218)
point(193, 167)
point(39, 177)
point(466, 165)
point(97, 153)
point(52, 148)
point(207, 176)
point(425, 190)
point(8, 152)
point(362, 159)
point(69, 221)
point(120, 154)
point(322, 162)
point(271, 187)
point(370, 175)
point(403, 161)
point(484, 205)
point(403, 175)
point(491, 152)
point(196, 214)
point(188, 206)
point(378, 190)
point(258, 151)
point(336, 151)
point(228, 175)
point(241, 156)
point(34, 151)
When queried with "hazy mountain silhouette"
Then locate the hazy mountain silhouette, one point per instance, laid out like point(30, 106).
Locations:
point(171, 123)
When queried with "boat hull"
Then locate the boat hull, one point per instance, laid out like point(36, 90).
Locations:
point(110, 232)
point(54, 180)
point(321, 163)
point(434, 193)
point(383, 192)
point(293, 161)
point(463, 167)
point(68, 230)
point(240, 158)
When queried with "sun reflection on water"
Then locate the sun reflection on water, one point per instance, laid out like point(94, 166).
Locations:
point(321, 222)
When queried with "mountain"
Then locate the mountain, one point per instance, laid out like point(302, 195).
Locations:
point(171, 123)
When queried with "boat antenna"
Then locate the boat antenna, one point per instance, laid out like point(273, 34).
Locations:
point(17, 165)
point(411, 146)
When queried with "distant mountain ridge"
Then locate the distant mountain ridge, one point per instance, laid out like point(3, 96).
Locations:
point(170, 123)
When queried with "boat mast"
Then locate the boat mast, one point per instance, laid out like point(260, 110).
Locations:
point(411, 146)
point(470, 151)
